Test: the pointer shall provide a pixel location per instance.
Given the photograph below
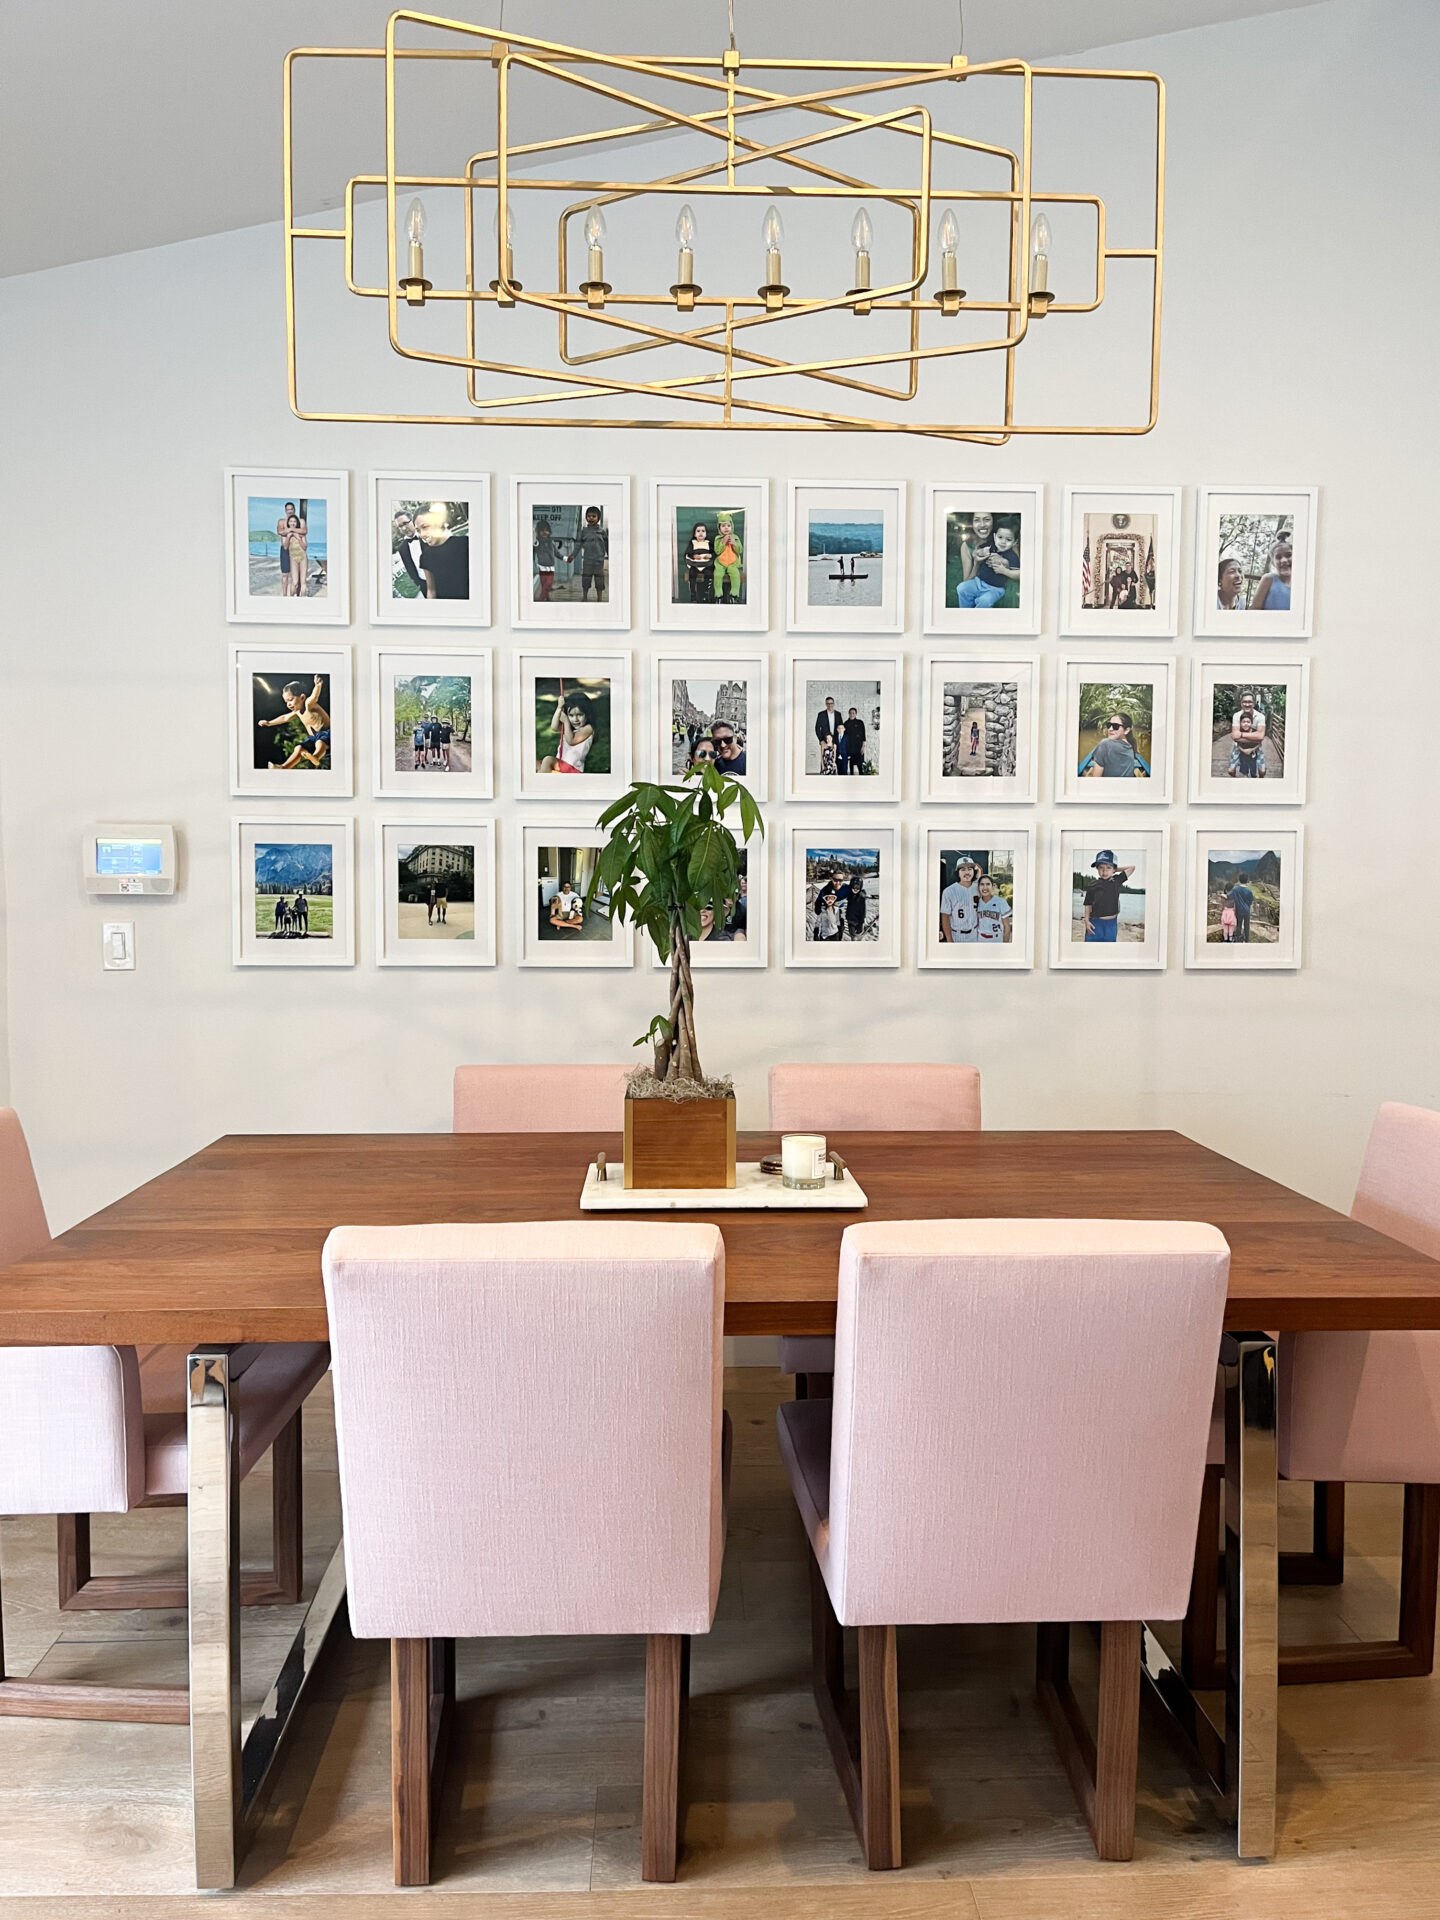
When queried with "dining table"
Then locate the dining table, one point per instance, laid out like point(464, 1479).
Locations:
point(224, 1250)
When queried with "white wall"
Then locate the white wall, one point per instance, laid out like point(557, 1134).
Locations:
point(1301, 300)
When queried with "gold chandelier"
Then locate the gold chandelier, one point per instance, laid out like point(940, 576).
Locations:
point(730, 356)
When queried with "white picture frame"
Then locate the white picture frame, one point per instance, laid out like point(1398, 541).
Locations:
point(712, 674)
point(1154, 745)
point(563, 501)
point(1282, 782)
point(1008, 843)
point(1241, 522)
point(1003, 728)
point(1114, 528)
point(874, 683)
point(1147, 847)
point(589, 668)
point(845, 840)
point(754, 950)
point(250, 564)
point(671, 504)
point(392, 563)
point(538, 878)
point(398, 941)
point(299, 947)
point(945, 562)
point(1241, 850)
point(430, 776)
point(259, 676)
point(878, 504)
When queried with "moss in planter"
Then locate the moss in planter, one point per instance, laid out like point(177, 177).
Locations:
point(642, 1085)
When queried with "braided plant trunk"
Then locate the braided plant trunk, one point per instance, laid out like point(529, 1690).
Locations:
point(678, 1057)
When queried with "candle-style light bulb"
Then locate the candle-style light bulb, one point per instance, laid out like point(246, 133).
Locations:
point(774, 232)
point(415, 221)
point(860, 231)
point(1040, 254)
point(595, 240)
point(685, 237)
point(949, 241)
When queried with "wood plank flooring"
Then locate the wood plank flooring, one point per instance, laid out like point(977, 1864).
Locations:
point(540, 1815)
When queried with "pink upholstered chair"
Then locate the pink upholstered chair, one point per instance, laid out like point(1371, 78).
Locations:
point(931, 1492)
point(482, 1496)
point(548, 1099)
point(829, 1097)
point(102, 1430)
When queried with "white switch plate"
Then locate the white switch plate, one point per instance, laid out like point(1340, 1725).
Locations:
point(117, 946)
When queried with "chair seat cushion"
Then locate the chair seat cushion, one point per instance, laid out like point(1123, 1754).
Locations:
point(266, 1395)
point(804, 1433)
point(807, 1353)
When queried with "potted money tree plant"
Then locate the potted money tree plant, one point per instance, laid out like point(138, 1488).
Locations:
point(671, 858)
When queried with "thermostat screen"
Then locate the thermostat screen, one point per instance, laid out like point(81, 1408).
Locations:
point(127, 856)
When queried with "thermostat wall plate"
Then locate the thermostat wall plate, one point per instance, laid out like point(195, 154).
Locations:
point(129, 859)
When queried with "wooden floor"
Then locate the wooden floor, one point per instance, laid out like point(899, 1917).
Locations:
point(541, 1810)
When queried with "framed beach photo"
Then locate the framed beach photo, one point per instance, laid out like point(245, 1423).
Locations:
point(844, 887)
point(287, 558)
point(432, 718)
point(1248, 721)
point(984, 554)
point(290, 722)
point(293, 885)
point(844, 726)
point(1111, 886)
point(1245, 898)
point(1114, 731)
point(710, 556)
point(1122, 562)
point(737, 936)
point(430, 549)
point(980, 724)
point(434, 894)
point(846, 557)
point(572, 725)
point(977, 895)
point(713, 705)
point(1255, 563)
point(559, 926)
point(570, 552)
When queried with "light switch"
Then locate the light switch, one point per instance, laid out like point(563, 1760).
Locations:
point(118, 946)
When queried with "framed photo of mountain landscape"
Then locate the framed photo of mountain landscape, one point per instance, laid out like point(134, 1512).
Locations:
point(713, 707)
point(1122, 562)
point(710, 556)
point(1245, 897)
point(294, 892)
point(846, 557)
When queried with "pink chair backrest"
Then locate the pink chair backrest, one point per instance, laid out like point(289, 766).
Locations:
point(1021, 1416)
point(865, 1098)
point(528, 1421)
point(548, 1099)
point(1399, 1187)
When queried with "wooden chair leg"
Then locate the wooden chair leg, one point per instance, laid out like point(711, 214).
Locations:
point(72, 1554)
point(863, 1736)
point(287, 1511)
point(1411, 1655)
point(79, 1700)
point(422, 1695)
point(1200, 1635)
point(817, 1386)
point(1102, 1770)
point(1324, 1564)
point(667, 1688)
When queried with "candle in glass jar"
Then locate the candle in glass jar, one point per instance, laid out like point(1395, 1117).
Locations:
point(802, 1160)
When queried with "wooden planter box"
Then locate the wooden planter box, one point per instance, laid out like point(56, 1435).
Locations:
point(679, 1143)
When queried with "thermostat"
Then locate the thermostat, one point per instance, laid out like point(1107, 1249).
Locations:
point(125, 859)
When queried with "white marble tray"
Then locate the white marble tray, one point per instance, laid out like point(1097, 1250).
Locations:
point(752, 1189)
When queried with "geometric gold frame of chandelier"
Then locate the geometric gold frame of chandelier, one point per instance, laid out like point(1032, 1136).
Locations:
point(730, 338)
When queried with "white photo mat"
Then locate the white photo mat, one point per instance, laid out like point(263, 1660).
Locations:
point(754, 951)
point(537, 881)
point(817, 597)
point(751, 668)
point(389, 609)
point(1118, 525)
point(1253, 546)
point(1073, 850)
point(398, 941)
point(250, 948)
point(992, 838)
point(580, 665)
point(1015, 714)
point(1279, 786)
point(331, 485)
point(274, 668)
point(1246, 848)
point(944, 565)
point(391, 781)
point(850, 845)
point(1074, 675)
point(715, 618)
point(810, 678)
point(570, 496)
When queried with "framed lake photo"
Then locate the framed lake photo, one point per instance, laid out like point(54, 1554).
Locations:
point(1111, 886)
point(434, 894)
point(981, 718)
point(1114, 728)
point(977, 895)
point(844, 891)
point(290, 722)
point(432, 716)
point(294, 892)
point(736, 934)
point(1122, 562)
point(1255, 562)
point(1248, 720)
point(1245, 898)
point(570, 552)
point(430, 549)
point(287, 558)
point(561, 924)
point(984, 554)
point(845, 726)
point(713, 707)
point(572, 725)
point(847, 557)
point(710, 556)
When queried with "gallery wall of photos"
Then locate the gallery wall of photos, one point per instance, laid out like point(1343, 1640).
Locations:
point(637, 647)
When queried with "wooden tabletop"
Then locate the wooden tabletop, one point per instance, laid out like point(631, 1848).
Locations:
point(226, 1246)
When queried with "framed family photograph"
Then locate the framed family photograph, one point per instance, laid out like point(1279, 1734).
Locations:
point(710, 556)
point(845, 727)
point(1111, 887)
point(844, 896)
point(572, 725)
point(1245, 898)
point(1115, 721)
point(983, 552)
point(433, 723)
point(847, 557)
point(713, 708)
point(290, 722)
point(980, 718)
point(1122, 562)
point(293, 884)
point(287, 558)
point(570, 561)
point(560, 925)
point(434, 894)
point(977, 896)
point(1255, 563)
point(430, 549)
point(738, 934)
point(1248, 726)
